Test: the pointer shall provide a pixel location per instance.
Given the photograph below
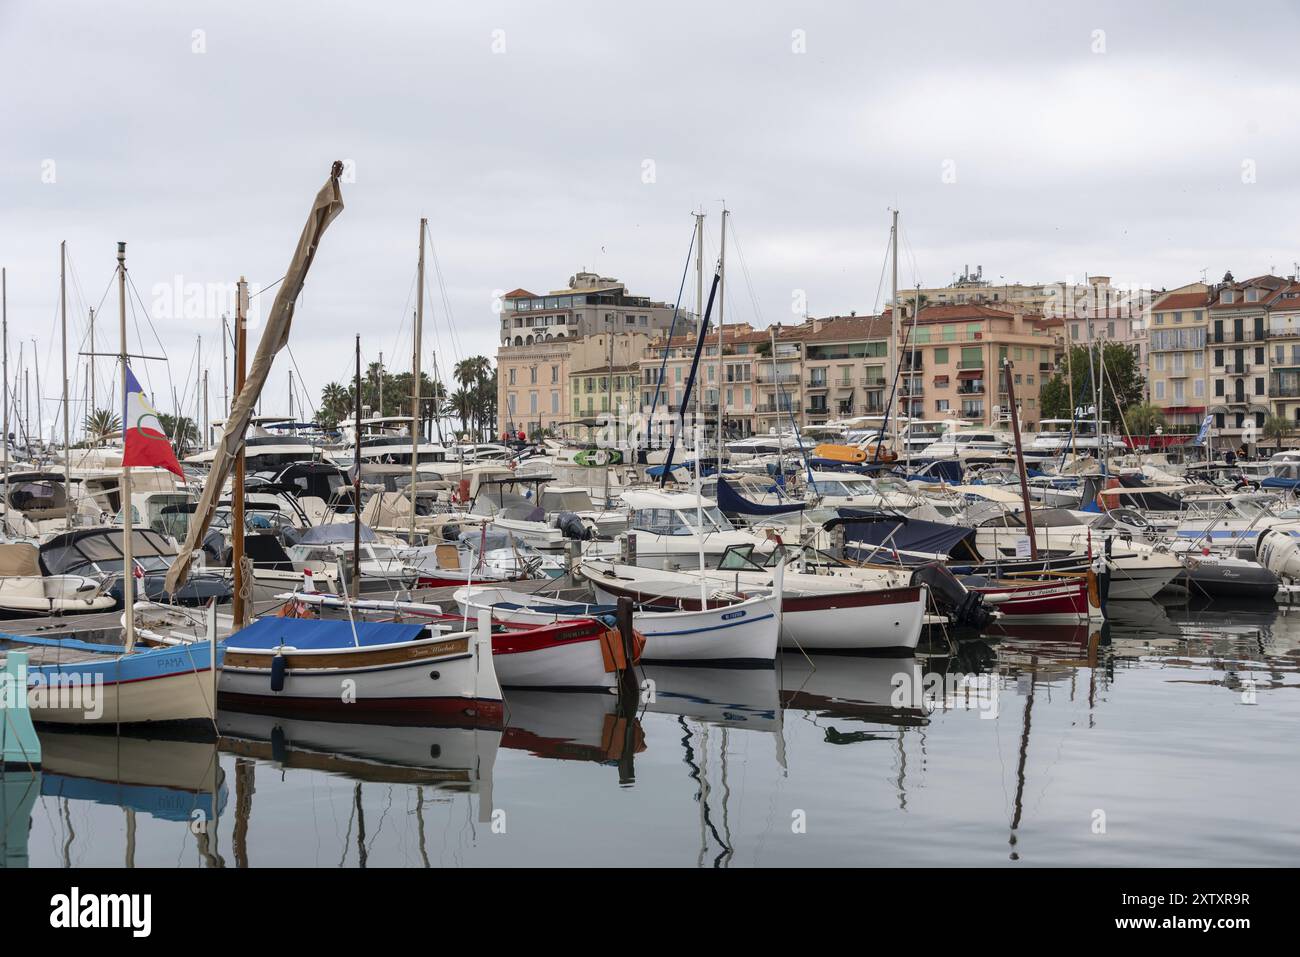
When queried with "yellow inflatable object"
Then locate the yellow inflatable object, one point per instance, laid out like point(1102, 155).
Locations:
point(840, 453)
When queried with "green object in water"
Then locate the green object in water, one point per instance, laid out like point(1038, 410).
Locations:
point(19, 745)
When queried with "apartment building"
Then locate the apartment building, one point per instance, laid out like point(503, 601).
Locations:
point(534, 384)
point(1176, 373)
point(663, 377)
point(591, 304)
point(1238, 353)
point(601, 389)
point(1284, 354)
point(844, 366)
point(951, 366)
point(1095, 308)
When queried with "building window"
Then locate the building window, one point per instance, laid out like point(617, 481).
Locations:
point(1160, 388)
point(512, 379)
point(1259, 385)
point(941, 357)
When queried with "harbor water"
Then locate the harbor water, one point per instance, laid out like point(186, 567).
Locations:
point(1165, 735)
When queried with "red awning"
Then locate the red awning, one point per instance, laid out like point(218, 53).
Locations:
point(971, 374)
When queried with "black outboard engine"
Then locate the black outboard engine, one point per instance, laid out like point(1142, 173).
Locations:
point(966, 608)
point(573, 527)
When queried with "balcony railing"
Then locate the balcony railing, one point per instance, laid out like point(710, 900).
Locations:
point(778, 378)
point(971, 364)
point(1228, 335)
point(873, 382)
point(1237, 368)
point(818, 384)
point(818, 410)
point(970, 390)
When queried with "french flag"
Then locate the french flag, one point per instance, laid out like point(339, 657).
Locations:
point(144, 442)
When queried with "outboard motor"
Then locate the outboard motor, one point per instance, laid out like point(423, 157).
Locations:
point(573, 527)
point(966, 608)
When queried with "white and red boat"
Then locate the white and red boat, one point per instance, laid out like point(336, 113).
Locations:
point(817, 612)
point(573, 652)
point(739, 634)
point(1065, 598)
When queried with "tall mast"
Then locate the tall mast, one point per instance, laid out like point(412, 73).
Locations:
point(40, 422)
point(225, 372)
point(894, 358)
point(4, 381)
point(91, 361)
point(291, 416)
point(207, 426)
point(67, 431)
point(381, 383)
point(722, 302)
point(356, 487)
point(237, 481)
point(699, 295)
point(415, 382)
point(128, 563)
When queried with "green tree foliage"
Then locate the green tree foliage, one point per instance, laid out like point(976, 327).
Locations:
point(1124, 385)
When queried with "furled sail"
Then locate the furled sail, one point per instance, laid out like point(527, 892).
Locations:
point(328, 204)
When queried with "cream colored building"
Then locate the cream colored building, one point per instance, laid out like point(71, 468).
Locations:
point(1176, 375)
point(534, 382)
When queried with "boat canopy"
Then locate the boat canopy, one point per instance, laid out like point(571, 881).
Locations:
point(865, 532)
point(266, 634)
point(730, 500)
point(74, 549)
point(335, 533)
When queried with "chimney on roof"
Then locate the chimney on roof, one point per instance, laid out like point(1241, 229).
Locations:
point(816, 325)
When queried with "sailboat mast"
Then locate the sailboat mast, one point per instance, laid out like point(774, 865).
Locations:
point(128, 563)
point(894, 358)
point(356, 486)
point(699, 290)
point(722, 302)
point(40, 419)
point(91, 361)
point(237, 480)
point(415, 379)
point(67, 431)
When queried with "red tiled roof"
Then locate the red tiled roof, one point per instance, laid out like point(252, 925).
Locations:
point(1182, 300)
point(519, 294)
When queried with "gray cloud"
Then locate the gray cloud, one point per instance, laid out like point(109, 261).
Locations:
point(528, 163)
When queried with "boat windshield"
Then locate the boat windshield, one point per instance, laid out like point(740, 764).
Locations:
point(572, 500)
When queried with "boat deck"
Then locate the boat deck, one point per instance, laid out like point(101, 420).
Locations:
point(106, 627)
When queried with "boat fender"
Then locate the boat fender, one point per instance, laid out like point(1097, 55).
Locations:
point(279, 745)
point(279, 666)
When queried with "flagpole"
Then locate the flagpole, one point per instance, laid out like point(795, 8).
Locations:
point(128, 569)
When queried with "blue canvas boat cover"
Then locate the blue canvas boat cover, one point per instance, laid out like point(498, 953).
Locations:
point(309, 633)
point(731, 501)
point(908, 534)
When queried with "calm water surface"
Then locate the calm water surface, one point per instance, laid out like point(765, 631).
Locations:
point(1167, 737)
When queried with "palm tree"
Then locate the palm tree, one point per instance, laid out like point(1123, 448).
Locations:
point(336, 404)
point(1277, 428)
point(1143, 418)
point(182, 432)
point(461, 405)
point(102, 423)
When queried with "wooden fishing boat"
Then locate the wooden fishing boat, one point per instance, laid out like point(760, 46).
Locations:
point(824, 615)
point(560, 653)
point(1050, 598)
point(744, 633)
point(357, 666)
point(79, 682)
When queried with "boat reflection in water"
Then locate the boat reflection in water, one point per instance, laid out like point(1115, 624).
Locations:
point(576, 726)
point(453, 759)
point(168, 779)
point(874, 689)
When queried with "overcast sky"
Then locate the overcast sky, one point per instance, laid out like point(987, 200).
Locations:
point(1145, 144)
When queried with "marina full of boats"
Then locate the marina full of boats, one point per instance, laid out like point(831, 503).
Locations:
point(374, 578)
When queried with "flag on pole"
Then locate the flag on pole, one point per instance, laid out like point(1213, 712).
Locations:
point(143, 440)
point(1205, 430)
